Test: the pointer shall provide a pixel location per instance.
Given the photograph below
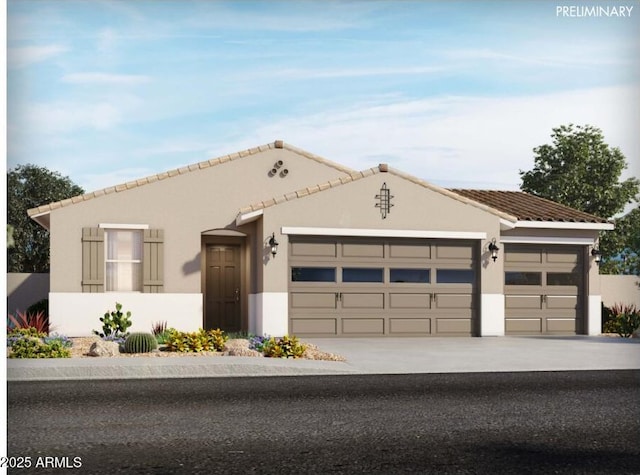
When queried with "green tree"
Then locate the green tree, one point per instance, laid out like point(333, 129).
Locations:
point(581, 171)
point(622, 246)
point(29, 186)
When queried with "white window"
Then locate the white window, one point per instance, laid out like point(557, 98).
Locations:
point(123, 260)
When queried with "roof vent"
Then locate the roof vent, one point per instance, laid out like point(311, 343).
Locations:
point(383, 167)
point(279, 144)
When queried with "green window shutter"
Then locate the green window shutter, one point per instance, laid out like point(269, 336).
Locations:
point(92, 260)
point(153, 261)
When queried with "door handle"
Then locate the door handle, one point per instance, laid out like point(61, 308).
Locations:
point(237, 294)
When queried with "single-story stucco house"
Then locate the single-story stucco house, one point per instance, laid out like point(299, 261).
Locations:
point(275, 240)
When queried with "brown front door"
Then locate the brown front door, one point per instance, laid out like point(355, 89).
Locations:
point(223, 288)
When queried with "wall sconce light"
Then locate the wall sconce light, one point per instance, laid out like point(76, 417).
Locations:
point(493, 249)
point(274, 244)
point(597, 255)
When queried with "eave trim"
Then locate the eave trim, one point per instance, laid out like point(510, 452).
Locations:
point(400, 233)
point(564, 225)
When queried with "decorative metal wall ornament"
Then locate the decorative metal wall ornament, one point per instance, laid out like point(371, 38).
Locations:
point(384, 201)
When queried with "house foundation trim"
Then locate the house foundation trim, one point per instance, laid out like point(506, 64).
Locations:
point(78, 313)
point(492, 315)
point(594, 315)
point(269, 313)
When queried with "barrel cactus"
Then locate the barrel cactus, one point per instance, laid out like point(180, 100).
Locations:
point(140, 343)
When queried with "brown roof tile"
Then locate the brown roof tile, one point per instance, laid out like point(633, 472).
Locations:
point(527, 207)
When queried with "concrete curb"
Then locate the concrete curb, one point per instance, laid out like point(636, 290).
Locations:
point(180, 367)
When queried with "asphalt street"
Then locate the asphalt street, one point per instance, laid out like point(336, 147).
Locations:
point(525, 422)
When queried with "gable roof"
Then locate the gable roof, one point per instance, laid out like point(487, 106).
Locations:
point(514, 208)
point(39, 211)
point(527, 207)
point(250, 212)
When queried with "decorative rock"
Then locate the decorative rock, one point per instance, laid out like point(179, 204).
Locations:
point(636, 334)
point(236, 343)
point(104, 348)
point(237, 351)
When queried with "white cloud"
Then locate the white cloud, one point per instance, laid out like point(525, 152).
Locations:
point(105, 79)
point(458, 141)
point(61, 117)
point(303, 74)
point(19, 57)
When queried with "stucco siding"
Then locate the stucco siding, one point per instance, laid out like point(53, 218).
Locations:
point(183, 206)
point(621, 289)
point(353, 206)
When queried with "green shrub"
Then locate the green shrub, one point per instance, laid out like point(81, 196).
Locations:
point(40, 306)
point(285, 347)
point(140, 342)
point(37, 320)
point(114, 324)
point(623, 320)
point(202, 340)
point(30, 347)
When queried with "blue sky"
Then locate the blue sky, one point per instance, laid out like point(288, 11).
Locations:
point(457, 93)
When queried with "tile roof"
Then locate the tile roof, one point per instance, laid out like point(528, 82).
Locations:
point(527, 207)
point(46, 208)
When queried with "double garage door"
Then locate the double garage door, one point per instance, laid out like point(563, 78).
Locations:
point(382, 287)
point(544, 289)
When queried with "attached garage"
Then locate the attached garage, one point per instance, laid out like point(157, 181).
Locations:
point(382, 287)
point(544, 289)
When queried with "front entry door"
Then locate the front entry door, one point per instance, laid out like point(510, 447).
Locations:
point(223, 288)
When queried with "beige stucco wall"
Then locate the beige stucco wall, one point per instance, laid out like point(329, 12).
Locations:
point(184, 206)
point(352, 205)
point(623, 289)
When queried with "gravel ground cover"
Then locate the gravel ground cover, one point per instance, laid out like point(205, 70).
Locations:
point(235, 347)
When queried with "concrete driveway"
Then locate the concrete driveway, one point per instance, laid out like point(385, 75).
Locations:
point(487, 354)
point(364, 356)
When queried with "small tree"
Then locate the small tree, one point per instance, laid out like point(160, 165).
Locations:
point(622, 246)
point(581, 171)
point(29, 186)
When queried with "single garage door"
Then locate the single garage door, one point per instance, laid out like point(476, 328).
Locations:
point(544, 289)
point(382, 287)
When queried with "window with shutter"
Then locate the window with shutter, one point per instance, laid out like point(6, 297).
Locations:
point(122, 259)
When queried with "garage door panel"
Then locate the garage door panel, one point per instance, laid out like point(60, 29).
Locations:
point(409, 301)
point(388, 286)
point(562, 302)
point(523, 301)
point(410, 325)
point(370, 326)
point(529, 256)
point(454, 252)
point(362, 250)
point(453, 325)
point(313, 249)
point(324, 300)
point(523, 325)
point(561, 325)
point(314, 326)
point(564, 257)
point(401, 251)
point(362, 300)
point(457, 301)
